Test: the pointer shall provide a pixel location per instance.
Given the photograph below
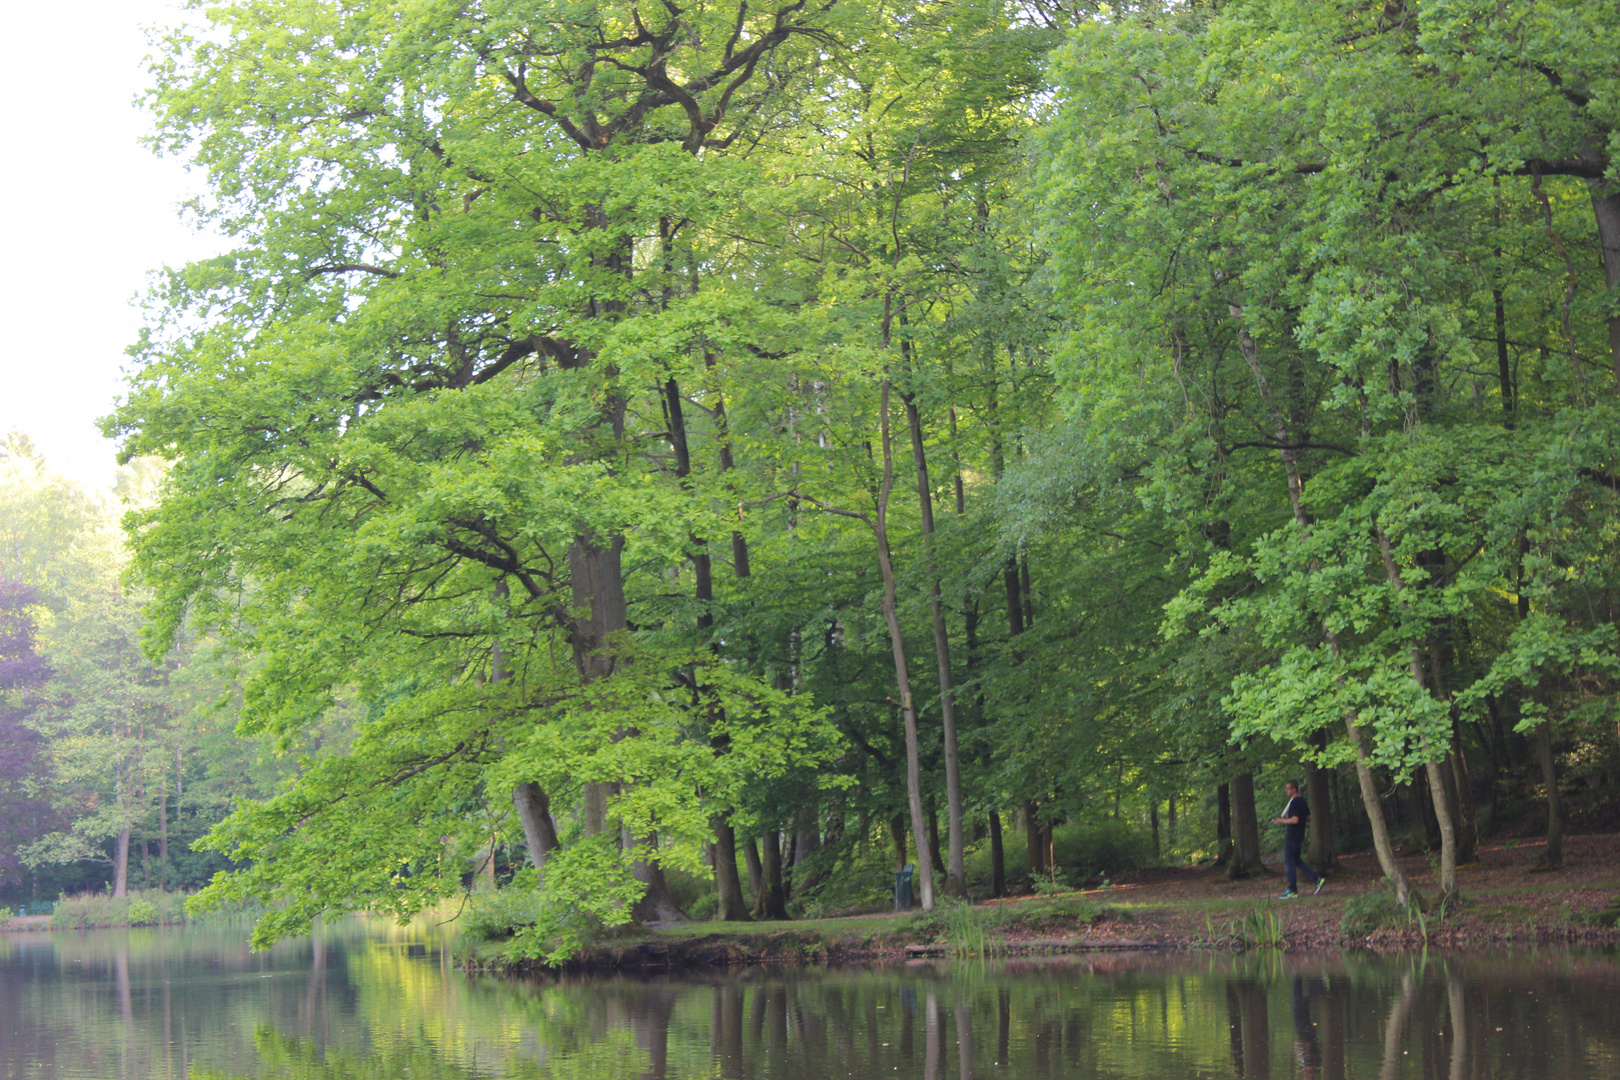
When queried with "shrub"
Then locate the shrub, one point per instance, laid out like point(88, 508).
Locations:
point(1608, 915)
point(704, 907)
point(1099, 849)
point(1056, 882)
point(690, 890)
point(1084, 851)
point(1014, 861)
point(143, 913)
point(1370, 911)
point(86, 910)
point(497, 916)
point(859, 879)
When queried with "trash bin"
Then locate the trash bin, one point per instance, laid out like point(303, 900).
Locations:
point(902, 888)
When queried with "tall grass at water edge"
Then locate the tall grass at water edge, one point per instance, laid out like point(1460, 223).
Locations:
point(144, 907)
point(965, 934)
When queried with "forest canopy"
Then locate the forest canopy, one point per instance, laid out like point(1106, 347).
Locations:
point(763, 445)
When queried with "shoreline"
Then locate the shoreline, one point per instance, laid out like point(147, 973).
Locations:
point(730, 951)
point(1507, 903)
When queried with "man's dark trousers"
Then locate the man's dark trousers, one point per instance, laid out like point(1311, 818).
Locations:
point(1292, 863)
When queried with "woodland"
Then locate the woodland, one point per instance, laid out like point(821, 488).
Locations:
point(647, 461)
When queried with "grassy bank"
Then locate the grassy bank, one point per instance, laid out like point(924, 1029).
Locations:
point(1039, 925)
point(142, 907)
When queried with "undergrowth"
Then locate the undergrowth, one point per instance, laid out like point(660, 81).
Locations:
point(1378, 910)
point(144, 907)
point(1260, 928)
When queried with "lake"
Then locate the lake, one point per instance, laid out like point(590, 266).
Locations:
point(368, 999)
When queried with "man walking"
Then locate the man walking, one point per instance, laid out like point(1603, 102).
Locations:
point(1293, 819)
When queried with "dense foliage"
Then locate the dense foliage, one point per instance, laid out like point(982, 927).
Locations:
point(623, 441)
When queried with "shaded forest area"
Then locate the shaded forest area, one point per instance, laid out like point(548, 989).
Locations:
point(697, 460)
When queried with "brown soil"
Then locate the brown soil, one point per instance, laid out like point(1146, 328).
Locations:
point(1167, 909)
point(1505, 899)
point(25, 922)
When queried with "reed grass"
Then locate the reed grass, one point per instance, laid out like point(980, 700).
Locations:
point(144, 907)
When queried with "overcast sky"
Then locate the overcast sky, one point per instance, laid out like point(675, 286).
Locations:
point(90, 212)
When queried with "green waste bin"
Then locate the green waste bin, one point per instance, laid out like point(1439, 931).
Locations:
point(902, 888)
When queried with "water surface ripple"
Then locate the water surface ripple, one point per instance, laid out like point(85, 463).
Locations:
point(372, 1000)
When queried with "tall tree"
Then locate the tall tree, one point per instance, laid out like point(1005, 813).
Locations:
point(487, 298)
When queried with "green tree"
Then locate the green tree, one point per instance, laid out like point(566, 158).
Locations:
point(460, 298)
point(1322, 197)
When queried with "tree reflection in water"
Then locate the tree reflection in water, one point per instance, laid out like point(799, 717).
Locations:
point(367, 1005)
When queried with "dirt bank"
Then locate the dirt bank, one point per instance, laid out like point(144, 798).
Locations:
point(1505, 903)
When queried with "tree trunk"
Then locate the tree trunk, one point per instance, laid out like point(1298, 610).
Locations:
point(1322, 856)
point(897, 835)
point(1459, 791)
point(599, 613)
point(1553, 857)
point(1449, 888)
point(657, 904)
point(756, 873)
point(539, 831)
point(807, 837)
point(1375, 818)
point(998, 860)
point(599, 608)
point(1467, 814)
point(1423, 810)
point(771, 904)
point(789, 861)
point(163, 836)
point(121, 861)
point(121, 847)
point(597, 578)
point(1245, 830)
point(1015, 597)
point(1223, 825)
point(933, 833)
point(1606, 209)
point(731, 906)
point(956, 867)
point(528, 799)
point(1033, 841)
point(897, 646)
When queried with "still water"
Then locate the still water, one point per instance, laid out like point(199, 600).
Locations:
point(372, 1000)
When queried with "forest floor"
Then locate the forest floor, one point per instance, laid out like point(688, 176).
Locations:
point(1506, 902)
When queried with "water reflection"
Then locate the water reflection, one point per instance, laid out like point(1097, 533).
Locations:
point(373, 1000)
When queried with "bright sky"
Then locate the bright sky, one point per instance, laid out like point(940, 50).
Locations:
point(91, 211)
